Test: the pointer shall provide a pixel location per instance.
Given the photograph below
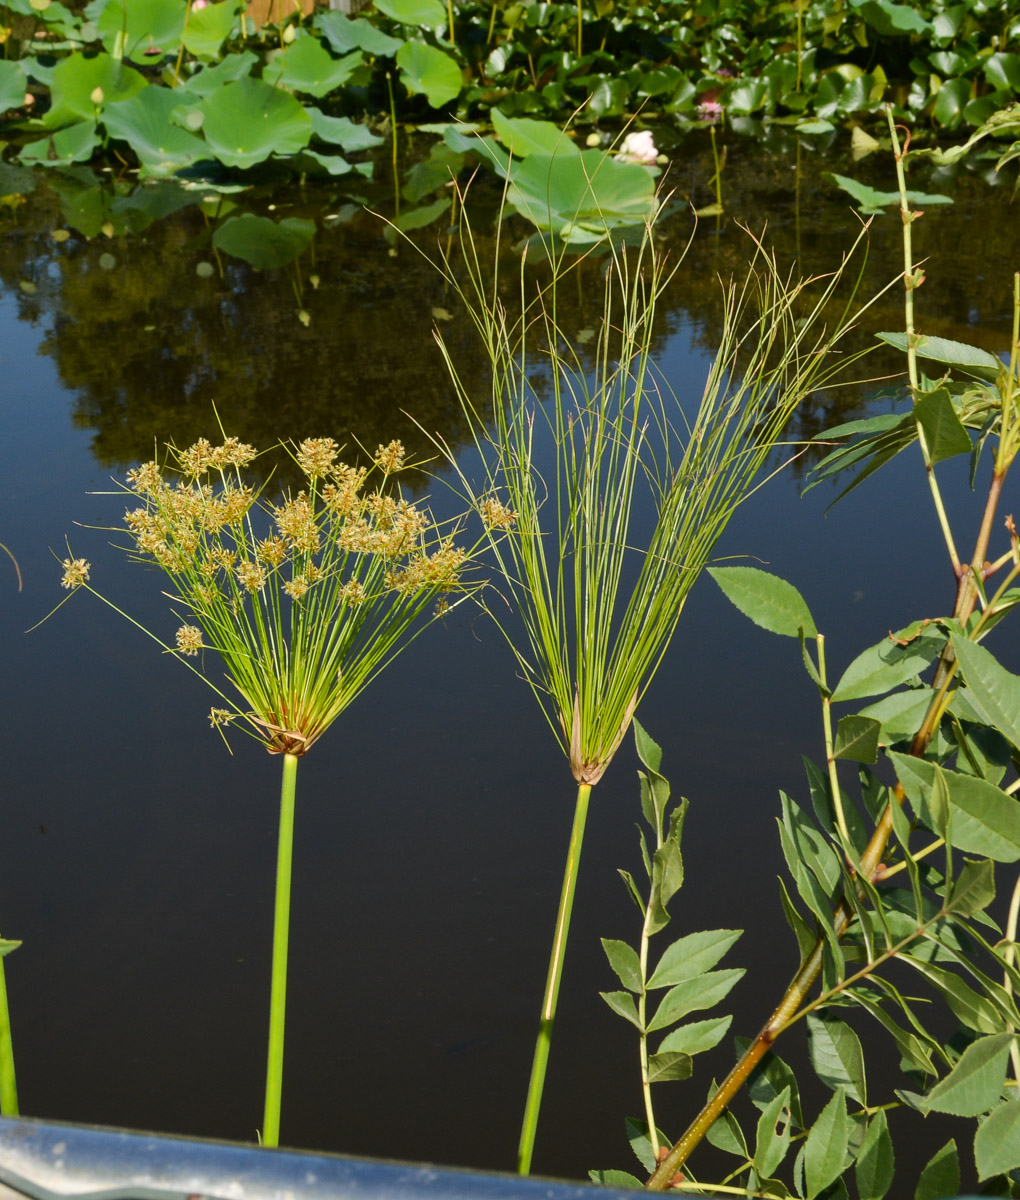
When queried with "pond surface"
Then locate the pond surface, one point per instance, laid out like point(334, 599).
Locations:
point(138, 855)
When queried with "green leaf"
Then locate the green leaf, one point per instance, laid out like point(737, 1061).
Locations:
point(418, 218)
point(869, 200)
point(768, 1079)
point(414, 12)
point(943, 431)
point(826, 1146)
point(974, 889)
point(79, 79)
point(1002, 70)
point(144, 123)
point(836, 1055)
point(691, 956)
point(875, 1160)
point(143, 30)
point(969, 1007)
point(985, 820)
point(625, 962)
point(13, 85)
point(696, 1036)
point(616, 1179)
point(667, 878)
point(976, 1082)
point(247, 121)
point(891, 20)
point(992, 690)
point(641, 1144)
point(350, 136)
point(888, 664)
point(211, 79)
point(913, 1050)
point(769, 601)
point(857, 739)
point(655, 791)
point(429, 71)
point(726, 1135)
point(997, 1142)
point(264, 243)
point(648, 751)
point(623, 1004)
point(76, 143)
point(306, 66)
point(773, 1134)
point(345, 35)
point(899, 714)
point(802, 931)
point(972, 360)
point(6, 946)
point(523, 136)
point(208, 28)
point(667, 1065)
point(941, 1176)
point(704, 992)
point(939, 803)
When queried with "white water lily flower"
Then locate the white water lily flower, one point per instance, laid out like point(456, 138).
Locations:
point(638, 147)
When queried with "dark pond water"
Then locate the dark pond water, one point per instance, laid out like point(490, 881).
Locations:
point(137, 856)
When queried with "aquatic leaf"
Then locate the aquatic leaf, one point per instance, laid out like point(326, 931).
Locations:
point(769, 601)
point(950, 101)
point(875, 1164)
point(79, 78)
point(625, 962)
point(992, 690)
point(313, 162)
point(144, 123)
point(15, 181)
point(976, 1082)
point(428, 70)
point(609, 97)
point(345, 34)
point(826, 1145)
point(692, 955)
point(972, 360)
point(944, 434)
point(669, 1065)
point(869, 200)
point(985, 820)
point(143, 30)
point(1002, 70)
point(523, 136)
point(211, 79)
point(414, 12)
point(773, 1134)
point(248, 120)
point(13, 85)
point(941, 1175)
point(891, 20)
point(696, 1036)
point(857, 739)
point(306, 66)
point(209, 27)
point(836, 1055)
point(350, 136)
point(75, 143)
point(262, 242)
point(997, 1142)
point(693, 994)
point(889, 663)
point(418, 218)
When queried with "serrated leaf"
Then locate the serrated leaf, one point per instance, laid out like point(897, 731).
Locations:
point(641, 1144)
point(632, 888)
point(969, 1007)
point(617, 1179)
point(773, 1134)
point(887, 665)
point(913, 1051)
point(625, 962)
point(769, 601)
point(623, 1004)
point(768, 1079)
point(941, 1175)
point(992, 690)
point(693, 994)
point(669, 1064)
point(648, 751)
point(976, 1082)
point(970, 359)
point(944, 434)
point(726, 1135)
point(667, 878)
point(691, 956)
point(997, 1142)
point(938, 803)
point(974, 889)
point(825, 1148)
point(836, 1055)
point(696, 1036)
point(875, 1163)
point(857, 739)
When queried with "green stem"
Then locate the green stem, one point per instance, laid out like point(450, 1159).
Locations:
point(8, 1083)
point(837, 795)
point(552, 986)
point(281, 932)
point(1010, 957)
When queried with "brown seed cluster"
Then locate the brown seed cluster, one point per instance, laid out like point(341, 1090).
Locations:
point(495, 514)
point(76, 572)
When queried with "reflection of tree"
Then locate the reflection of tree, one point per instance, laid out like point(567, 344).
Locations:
point(148, 345)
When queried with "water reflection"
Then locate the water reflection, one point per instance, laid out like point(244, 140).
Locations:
point(138, 856)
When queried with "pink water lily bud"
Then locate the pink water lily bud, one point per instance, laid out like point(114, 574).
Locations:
point(638, 147)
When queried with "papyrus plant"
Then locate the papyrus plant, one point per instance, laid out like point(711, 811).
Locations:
point(288, 610)
point(598, 586)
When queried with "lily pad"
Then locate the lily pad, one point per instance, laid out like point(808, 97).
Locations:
point(142, 30)
point(247, 121)
point(13, 84)
point(262, 242)
point(306, 66)
point(523, 136)
point(414, 12)
point(144, 123)
point(344, 35)
point(426, 69)
point(209, 27)
point(83, 83)
point(211, 79)
point(73, 144)
point(342, 132)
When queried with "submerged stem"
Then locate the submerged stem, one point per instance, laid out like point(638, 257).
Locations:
point(552, 986)
point(281, 933)
point(8, 1082)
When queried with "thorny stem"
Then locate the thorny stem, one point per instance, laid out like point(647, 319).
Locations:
point(281, 937)
point(552, 987)
point(8, 1082)
point(911, 281)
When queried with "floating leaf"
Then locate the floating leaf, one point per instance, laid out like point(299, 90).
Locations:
point(209, 27)
point(78, 78)
point(306, 66)
point(769, 601)
point(523, 136)
point(76, 143)
point(345, 34)
point(869, 200)
point(414, 12)
point(144, 123)
point(13, 85)
point(143, 30)
point(343, 132)
point(248, 120)
point(262, 242)
point(428, 70)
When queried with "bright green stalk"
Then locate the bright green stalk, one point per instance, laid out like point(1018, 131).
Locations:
point(552, 986)
point(8, 1082)
point(281, 935)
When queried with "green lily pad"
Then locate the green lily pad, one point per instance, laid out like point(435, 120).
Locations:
point(248, 120)
point(344, 35)
point(313, 163)
point(342, 132)
point(523, 136)
point(144, 123)
point(75, 143)
point(142, 30)
point(414, 12)
point(426, 69)
point(306, 66)
point(13, 85)
point(208, 29)
point(211, 79)
point(262, 242)
point(83, 83)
